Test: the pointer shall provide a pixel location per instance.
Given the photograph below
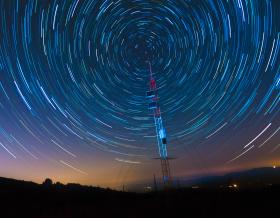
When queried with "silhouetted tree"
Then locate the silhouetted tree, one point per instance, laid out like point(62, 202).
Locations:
point(58, 184)
point(48, 182)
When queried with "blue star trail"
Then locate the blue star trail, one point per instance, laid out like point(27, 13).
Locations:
point(73, 75)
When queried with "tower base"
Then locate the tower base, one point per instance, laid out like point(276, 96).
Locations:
point(166, 175)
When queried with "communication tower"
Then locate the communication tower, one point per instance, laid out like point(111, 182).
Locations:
point(153, 100)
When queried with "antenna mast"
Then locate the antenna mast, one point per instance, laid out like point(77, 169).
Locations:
point(153, 99)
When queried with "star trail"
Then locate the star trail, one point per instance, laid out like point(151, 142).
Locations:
point(74, 75)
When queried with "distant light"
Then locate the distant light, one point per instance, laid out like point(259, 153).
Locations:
point(274, 167)
point(235, 185)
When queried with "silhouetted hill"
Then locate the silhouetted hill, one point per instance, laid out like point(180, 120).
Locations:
point(252, 178)
point(28, 199)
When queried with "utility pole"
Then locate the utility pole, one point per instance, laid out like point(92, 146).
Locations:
point(155, 183)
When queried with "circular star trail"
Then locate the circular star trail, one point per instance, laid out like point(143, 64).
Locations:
point(74, 74)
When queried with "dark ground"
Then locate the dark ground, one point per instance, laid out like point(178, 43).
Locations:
point(26, 199)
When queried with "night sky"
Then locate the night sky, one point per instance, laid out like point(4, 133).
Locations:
point(74, 76)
